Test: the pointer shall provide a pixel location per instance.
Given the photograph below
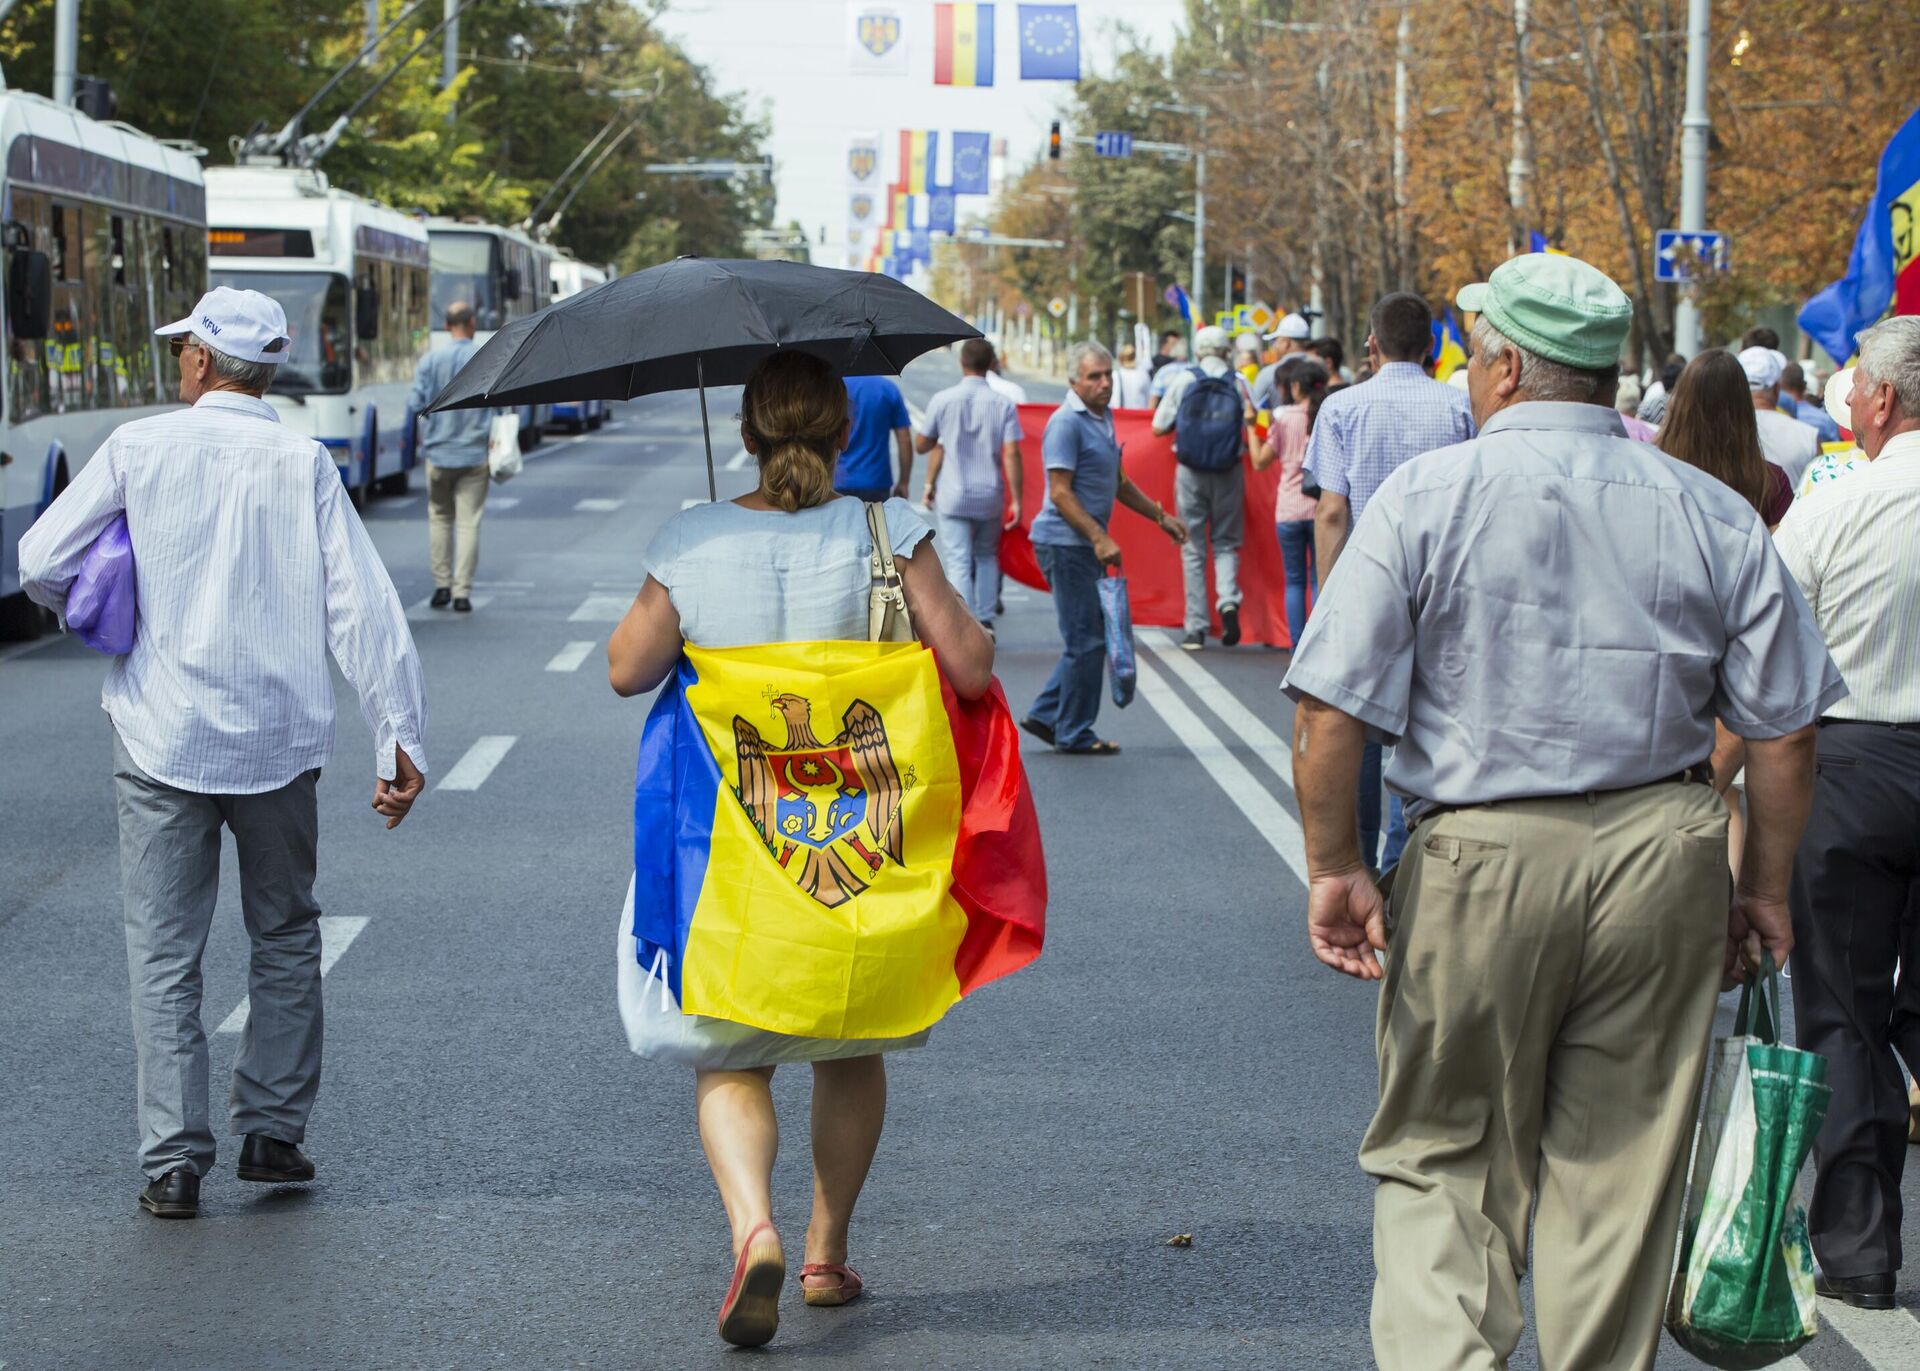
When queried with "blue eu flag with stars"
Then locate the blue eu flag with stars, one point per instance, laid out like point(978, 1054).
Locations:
point(1049, 42)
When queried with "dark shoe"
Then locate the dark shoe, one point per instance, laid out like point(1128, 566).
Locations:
point(1862, 1292)
point(273, 1162)
point(1230, 626)
point(1039, 729)
point(442, 597)
point(175, 1195)
point(1194, 641)
point(463, 605)
point(1099, 747)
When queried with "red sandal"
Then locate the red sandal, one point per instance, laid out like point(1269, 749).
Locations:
point(751, 1311)
point(830, 1295)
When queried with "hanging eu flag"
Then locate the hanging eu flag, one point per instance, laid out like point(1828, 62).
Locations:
point(940, 209)
point(971, 159)
point(1049, 42)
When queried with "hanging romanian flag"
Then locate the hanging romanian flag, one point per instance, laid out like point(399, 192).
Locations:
point(829, 843)
point(963, 45)
point(918, 151)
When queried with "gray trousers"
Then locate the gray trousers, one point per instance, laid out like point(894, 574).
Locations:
point(1210, 502)
point(170, 874)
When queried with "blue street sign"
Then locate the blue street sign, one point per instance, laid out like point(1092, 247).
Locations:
point(1676, 253)
point(1113, 144)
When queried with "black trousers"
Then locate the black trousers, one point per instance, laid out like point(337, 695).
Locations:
point(1856, 916)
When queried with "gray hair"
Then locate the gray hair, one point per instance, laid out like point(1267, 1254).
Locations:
point(1890, 352)
point(254, 376)
point(1544, 379)
point(1079, 353)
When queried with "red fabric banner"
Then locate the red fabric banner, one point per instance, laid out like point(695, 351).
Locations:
point(1149, 558)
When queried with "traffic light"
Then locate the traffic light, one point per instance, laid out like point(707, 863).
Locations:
point(1053, 142)
point(1239, 285)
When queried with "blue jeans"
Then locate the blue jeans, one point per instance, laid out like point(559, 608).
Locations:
point(1297, 557)
point(970, 551)
point(1370, 805)
point(1396, 832)
point(1070, 701)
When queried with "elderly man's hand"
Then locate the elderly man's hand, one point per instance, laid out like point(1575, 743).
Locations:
point(1758, 927)
point(394, 798)
point(1347, 922)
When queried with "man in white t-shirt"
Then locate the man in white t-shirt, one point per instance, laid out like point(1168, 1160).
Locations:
point(971, 436)
point(1785, 441)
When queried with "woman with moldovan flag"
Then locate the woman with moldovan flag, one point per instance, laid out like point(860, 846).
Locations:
point(833, 838)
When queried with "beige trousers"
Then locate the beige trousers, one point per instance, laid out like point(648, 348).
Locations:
point(1543, 1027)
point(455, 498)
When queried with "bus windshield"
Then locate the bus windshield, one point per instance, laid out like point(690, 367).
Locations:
point(321, 361)
point(463, 270)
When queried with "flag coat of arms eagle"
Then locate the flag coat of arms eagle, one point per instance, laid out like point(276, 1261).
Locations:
point(876, 37)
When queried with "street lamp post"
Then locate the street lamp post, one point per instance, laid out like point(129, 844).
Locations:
point(1198, 291)
point(1693, 168)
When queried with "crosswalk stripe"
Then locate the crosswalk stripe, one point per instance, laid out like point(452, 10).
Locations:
point(1886, 1341)
point(336, 936)
point(1267, 745)
point(601, 609)
point(472, 770)
point(1268, 816)
point(570, 657)
point(597, 505)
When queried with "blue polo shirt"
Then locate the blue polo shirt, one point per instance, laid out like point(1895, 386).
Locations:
point(1080, 441)
point(876, 407)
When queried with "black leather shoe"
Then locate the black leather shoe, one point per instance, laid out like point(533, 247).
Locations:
point(463, 605)
point(1862, 1292)
point(272, 1161)
point(442, 597)
point(175, 1195)
point(1230, 626)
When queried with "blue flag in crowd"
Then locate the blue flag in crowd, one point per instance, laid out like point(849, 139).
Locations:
point(1835, 317)
point(971, 159)
point(1536, 241)
point(1049, 42)
point(1177, 297)
point(940, 210)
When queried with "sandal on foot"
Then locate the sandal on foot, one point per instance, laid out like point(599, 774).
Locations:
point(1100, 748)
point(751, 1311)
point(844, 1293)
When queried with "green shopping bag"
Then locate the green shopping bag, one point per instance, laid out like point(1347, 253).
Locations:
point(1743, 1286)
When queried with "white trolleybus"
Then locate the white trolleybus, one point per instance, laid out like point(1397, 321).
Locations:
point(352, 276)
point(105, 234)
point(570, 277)
point(504, 274)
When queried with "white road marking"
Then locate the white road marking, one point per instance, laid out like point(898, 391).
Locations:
point(423, 609)
point(692, 504)
point(1267, 745)
point(1885, 1340)
point(472, 770)
point(597, 506)
point(405, 502)
point(739, 460)
point(336, 936)
point(22, 649)
point(571, 656)
point(601, 609)
point(503, 501)
point(1268, 816)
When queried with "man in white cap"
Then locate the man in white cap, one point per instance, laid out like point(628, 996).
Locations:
point(1786, 442)
point(1288, 338)
point(252, 567)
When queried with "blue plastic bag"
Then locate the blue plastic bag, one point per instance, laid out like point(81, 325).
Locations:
point(103, 605)
point(1122, 674)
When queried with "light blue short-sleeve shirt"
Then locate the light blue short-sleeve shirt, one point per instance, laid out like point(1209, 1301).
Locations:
point(971, 422)
point(1084, 443)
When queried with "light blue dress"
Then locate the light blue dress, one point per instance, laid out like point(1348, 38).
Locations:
point(740, 577)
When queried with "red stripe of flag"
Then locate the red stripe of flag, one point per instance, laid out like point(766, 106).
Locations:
point(943, 45)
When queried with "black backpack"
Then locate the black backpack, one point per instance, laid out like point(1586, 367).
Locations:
point(1209, 430)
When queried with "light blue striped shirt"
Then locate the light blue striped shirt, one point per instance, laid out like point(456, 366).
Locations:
point(252, 566)
point(1365, 432)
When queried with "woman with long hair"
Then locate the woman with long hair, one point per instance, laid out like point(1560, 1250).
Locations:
point(1287, 433)
point(788, 562)
point(1709, 424)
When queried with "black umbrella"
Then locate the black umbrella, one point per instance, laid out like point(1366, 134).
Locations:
point(696, 322)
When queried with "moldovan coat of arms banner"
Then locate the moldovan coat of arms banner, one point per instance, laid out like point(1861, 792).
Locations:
point(829, 843)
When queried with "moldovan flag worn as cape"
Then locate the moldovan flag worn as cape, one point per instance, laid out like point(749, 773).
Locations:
point(829, 843)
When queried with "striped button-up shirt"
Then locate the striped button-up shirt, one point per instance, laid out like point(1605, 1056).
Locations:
point(252, 566)
point(1850, 545)
point(1365, 432)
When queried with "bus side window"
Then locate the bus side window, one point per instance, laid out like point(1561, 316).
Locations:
point(69, 349)
point(27, 359)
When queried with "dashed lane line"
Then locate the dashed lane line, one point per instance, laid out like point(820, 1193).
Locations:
point(597, 505)
point(423, 609)
point(1267, 815)
point(739, 460)
point(1884, 1340)
point(472, 770)
point(570, 657)
point(1267, 745)
point(503, 502)
point(601, 609)
point(336, 936)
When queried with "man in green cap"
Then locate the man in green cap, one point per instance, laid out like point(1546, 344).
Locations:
point(1545, 621)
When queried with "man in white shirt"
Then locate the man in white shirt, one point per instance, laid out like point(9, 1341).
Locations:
point(252, 567)
point(971, 439)
point(1784, 440)
point(1850, 545)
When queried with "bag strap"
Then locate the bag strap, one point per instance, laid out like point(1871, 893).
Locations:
point(1761, 1020)
point(886, 592)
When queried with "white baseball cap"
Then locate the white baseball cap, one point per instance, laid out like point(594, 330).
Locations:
point(240, 323)
point(1211, 341)
point(1291, 326)
point(1763, 367)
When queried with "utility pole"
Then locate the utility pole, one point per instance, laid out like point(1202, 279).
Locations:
point(1402, 231)
point(1196, 294)
point(450, 51)
point(1693, 168)
point(373, 30)
point(66, 49)
point(1521, 167)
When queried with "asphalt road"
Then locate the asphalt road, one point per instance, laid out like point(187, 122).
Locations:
point(503, 1184)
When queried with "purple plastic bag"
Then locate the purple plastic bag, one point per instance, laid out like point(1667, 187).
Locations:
point(103, 606)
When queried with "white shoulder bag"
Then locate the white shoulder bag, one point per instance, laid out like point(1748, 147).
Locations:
point(887, 617)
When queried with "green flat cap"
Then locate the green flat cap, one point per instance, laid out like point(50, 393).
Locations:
point(1555, 306)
